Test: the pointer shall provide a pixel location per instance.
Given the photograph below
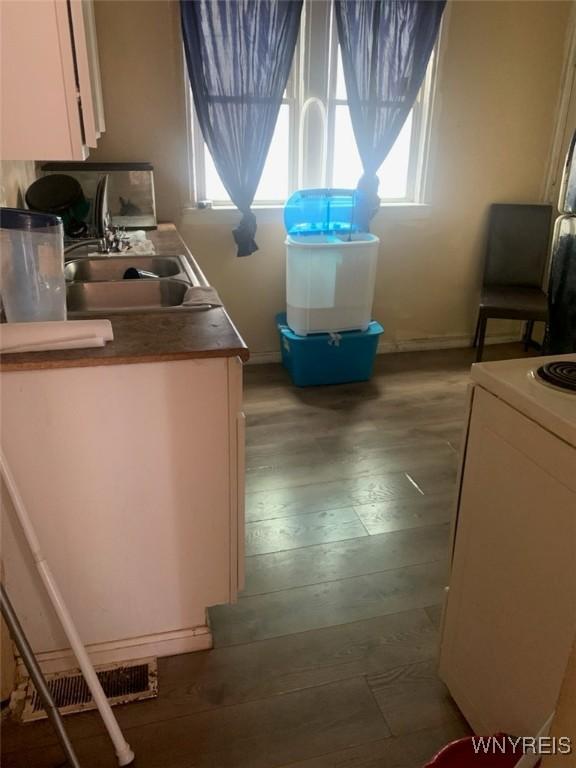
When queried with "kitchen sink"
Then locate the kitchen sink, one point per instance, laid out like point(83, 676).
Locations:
point(107, 268)
point(95, 285)
point(124, 296)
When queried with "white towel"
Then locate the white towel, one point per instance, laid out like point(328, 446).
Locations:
point(201, 296)
point(58, 334)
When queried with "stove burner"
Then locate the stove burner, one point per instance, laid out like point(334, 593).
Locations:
point(559, 373)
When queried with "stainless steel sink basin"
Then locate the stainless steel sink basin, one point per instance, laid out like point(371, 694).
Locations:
point(124, 296)
point(95, 285)
point(108, 268)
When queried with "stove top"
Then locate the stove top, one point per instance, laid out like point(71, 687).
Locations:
point(524, 384)
point(560, 374)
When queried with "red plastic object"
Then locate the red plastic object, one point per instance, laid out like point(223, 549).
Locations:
point(461, 754)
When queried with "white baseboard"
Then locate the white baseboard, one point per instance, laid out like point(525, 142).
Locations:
point(160, 644)
point(440, 342)
point(409, 345)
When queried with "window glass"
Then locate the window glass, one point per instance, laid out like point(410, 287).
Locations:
point(274, 183)
point(393, 173)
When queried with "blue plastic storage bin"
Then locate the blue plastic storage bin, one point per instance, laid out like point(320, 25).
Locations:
point(328, 358)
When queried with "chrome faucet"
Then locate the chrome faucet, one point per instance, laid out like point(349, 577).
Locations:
point(99, 241)
point(109, 239)
point(112, 241)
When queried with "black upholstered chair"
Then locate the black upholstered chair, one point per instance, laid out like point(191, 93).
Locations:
point(516, 258)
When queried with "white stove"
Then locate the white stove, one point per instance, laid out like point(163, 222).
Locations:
point(526, 387)
point(510, 616)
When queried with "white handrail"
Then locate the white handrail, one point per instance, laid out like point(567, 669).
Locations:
point(319, 104)
point(123, 752)
point(531, 759)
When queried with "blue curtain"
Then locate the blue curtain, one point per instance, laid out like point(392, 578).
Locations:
point(239, 55)
point(386, 46)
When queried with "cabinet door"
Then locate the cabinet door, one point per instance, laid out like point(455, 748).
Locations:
point(87, 67)
point(130, 499)
point(237, 472)
point(51, 102)
point(241, 498)
point(94, 63)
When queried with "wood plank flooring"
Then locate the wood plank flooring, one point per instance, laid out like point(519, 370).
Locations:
point(328, 659)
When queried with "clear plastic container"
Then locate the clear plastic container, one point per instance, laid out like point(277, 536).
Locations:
point(330, 282)
point(32, 266)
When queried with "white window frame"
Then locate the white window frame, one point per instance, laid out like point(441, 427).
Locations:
point(313, 75)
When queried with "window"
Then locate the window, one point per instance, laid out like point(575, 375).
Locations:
point(276, 182)
point(313, 143)
point(345, 167)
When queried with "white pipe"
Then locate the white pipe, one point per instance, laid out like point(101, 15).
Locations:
point(531, 759)
point(123, 752)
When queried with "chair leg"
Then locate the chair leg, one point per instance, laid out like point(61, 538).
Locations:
point(481, 335)
point(477, 331)
point(528, 330)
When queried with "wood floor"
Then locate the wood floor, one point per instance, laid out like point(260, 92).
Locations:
point(328, 659)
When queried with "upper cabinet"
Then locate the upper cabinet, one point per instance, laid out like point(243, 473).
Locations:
point(51, 106)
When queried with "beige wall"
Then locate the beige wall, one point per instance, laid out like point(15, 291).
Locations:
point(141, 65)
point(15, 178)
point(498, 86)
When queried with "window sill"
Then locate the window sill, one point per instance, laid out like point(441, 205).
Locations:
point(387, 210)
point(223, 208)
point(404, 211)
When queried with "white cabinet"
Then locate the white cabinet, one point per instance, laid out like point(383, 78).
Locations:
point(133, 476)
point(510, 615)
point(51, 106)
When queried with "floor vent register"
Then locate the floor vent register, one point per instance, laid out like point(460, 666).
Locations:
point(122, 683)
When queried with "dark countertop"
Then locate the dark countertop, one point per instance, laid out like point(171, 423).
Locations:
point(148, 337)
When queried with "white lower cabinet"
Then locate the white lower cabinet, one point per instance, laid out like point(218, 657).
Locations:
point(510, 614)
point(133, 476)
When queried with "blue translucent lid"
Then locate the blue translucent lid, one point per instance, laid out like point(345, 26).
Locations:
point(325, 211)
